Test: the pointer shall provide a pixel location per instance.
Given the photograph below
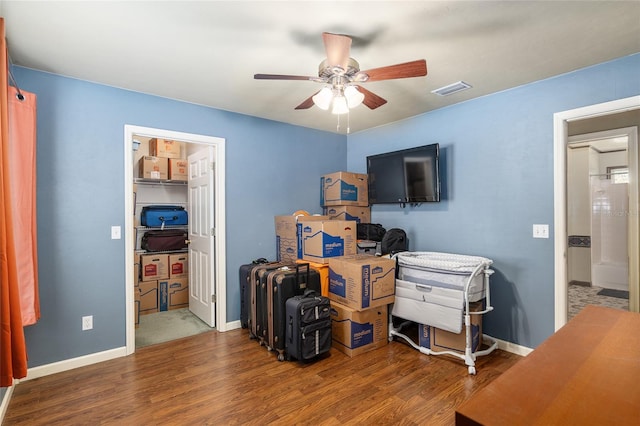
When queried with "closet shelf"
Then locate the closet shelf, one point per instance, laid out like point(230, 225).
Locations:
point(141, 251)
point(147, 181)
point(157, 228)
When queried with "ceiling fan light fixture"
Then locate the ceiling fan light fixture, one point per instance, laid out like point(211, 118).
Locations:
point(354, 96)
point(340, 105)
point(452, 88)
point(323, 98)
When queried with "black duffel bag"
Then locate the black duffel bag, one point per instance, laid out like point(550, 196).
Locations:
point(165, 240)
point(370, 231)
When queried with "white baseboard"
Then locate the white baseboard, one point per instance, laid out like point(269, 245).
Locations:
point(233, 325)
point(513, 348)
point(69, 364)
point(4, 404)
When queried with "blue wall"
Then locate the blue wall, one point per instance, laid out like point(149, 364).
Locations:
point(498, 165)
point(498, 180)
point(272, 169)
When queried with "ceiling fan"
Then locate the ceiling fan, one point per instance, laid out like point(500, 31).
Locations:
point(342, 77)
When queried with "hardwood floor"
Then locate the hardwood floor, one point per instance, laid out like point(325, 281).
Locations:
point(226, 379)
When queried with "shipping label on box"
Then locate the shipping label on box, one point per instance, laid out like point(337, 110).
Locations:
point(174, 294)
point(165, 148)
point(147, 294)
point(354, 332)
point(154, 266)
point(344, 189)
point(178, 169)
point(318, 241)
point(357, 213)
point(153, 168)
point(179, 265)
point(362, 281)
point(286, 235)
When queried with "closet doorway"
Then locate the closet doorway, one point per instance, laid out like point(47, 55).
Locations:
point(207, 277)
point(614, 110)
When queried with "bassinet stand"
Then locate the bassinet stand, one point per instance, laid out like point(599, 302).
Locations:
point(469, 357)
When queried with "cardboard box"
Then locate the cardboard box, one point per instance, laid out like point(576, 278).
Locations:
point(357, 213)
point(344, 189)
point(136, 267)
point(319, 241)
point(355, 332)
point(154, 266)
point(323, 270)
point(287, 235)
point(178, 169)
point(136, 305)
point(165, 148)
point(179, 265)
point(153, 168)
point(441, 340)
point(147, 296)
point(362, 281)
point(174, 294)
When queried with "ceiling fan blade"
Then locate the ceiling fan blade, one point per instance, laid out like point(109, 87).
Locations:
point(409, 69)
point(307, 103)
point(338, 48)
point(371, 100)
point(282, 77)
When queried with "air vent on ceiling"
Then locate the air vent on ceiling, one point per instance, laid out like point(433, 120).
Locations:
point(452, 88)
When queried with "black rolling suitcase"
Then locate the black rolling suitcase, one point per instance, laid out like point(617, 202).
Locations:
point(245, 290)
point(283, 284)
point(258, 306)
point(308, 326)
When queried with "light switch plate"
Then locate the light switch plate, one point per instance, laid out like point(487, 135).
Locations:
point(115, 233)
point(540, 231)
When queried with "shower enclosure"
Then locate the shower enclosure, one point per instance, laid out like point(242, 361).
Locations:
point(609, 232)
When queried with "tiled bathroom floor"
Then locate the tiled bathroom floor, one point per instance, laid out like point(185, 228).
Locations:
point(581, 296)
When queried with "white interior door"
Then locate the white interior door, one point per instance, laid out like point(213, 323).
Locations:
point(202, 235)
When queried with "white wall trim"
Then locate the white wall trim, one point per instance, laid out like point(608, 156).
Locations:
point(233, 325)
point(70, 364)
point(560, 140)
point(513, 348)
point(4, 404)
point(220, 221)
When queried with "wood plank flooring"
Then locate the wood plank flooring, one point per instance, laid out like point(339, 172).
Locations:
point(227, 379)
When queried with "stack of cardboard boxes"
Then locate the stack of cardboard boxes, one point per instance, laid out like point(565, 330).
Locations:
point(162, 282)
point(162, 279)
point(360, 286)
point(164, 162)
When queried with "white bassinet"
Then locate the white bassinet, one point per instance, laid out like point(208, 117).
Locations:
point(435, 289)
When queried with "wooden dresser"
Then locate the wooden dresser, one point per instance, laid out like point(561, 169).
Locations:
point(587, 373)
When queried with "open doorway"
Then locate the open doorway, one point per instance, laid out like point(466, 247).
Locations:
point(601, 186)
point(578, 118)
point(207, 279)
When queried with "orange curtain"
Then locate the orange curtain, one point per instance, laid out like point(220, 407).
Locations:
point(19, 304)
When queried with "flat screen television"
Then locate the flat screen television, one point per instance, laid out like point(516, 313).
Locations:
point(408, 176)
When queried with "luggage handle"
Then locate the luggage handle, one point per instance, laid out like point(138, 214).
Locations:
point(308, 293)
point(298, 282)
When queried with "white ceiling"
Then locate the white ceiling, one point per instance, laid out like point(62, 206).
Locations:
point(207, 52)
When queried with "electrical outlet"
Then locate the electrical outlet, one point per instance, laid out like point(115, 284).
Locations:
point(87, 323)
point(540, 231)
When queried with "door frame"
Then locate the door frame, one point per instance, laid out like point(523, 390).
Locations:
point(560, 141)
point(219, 212)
